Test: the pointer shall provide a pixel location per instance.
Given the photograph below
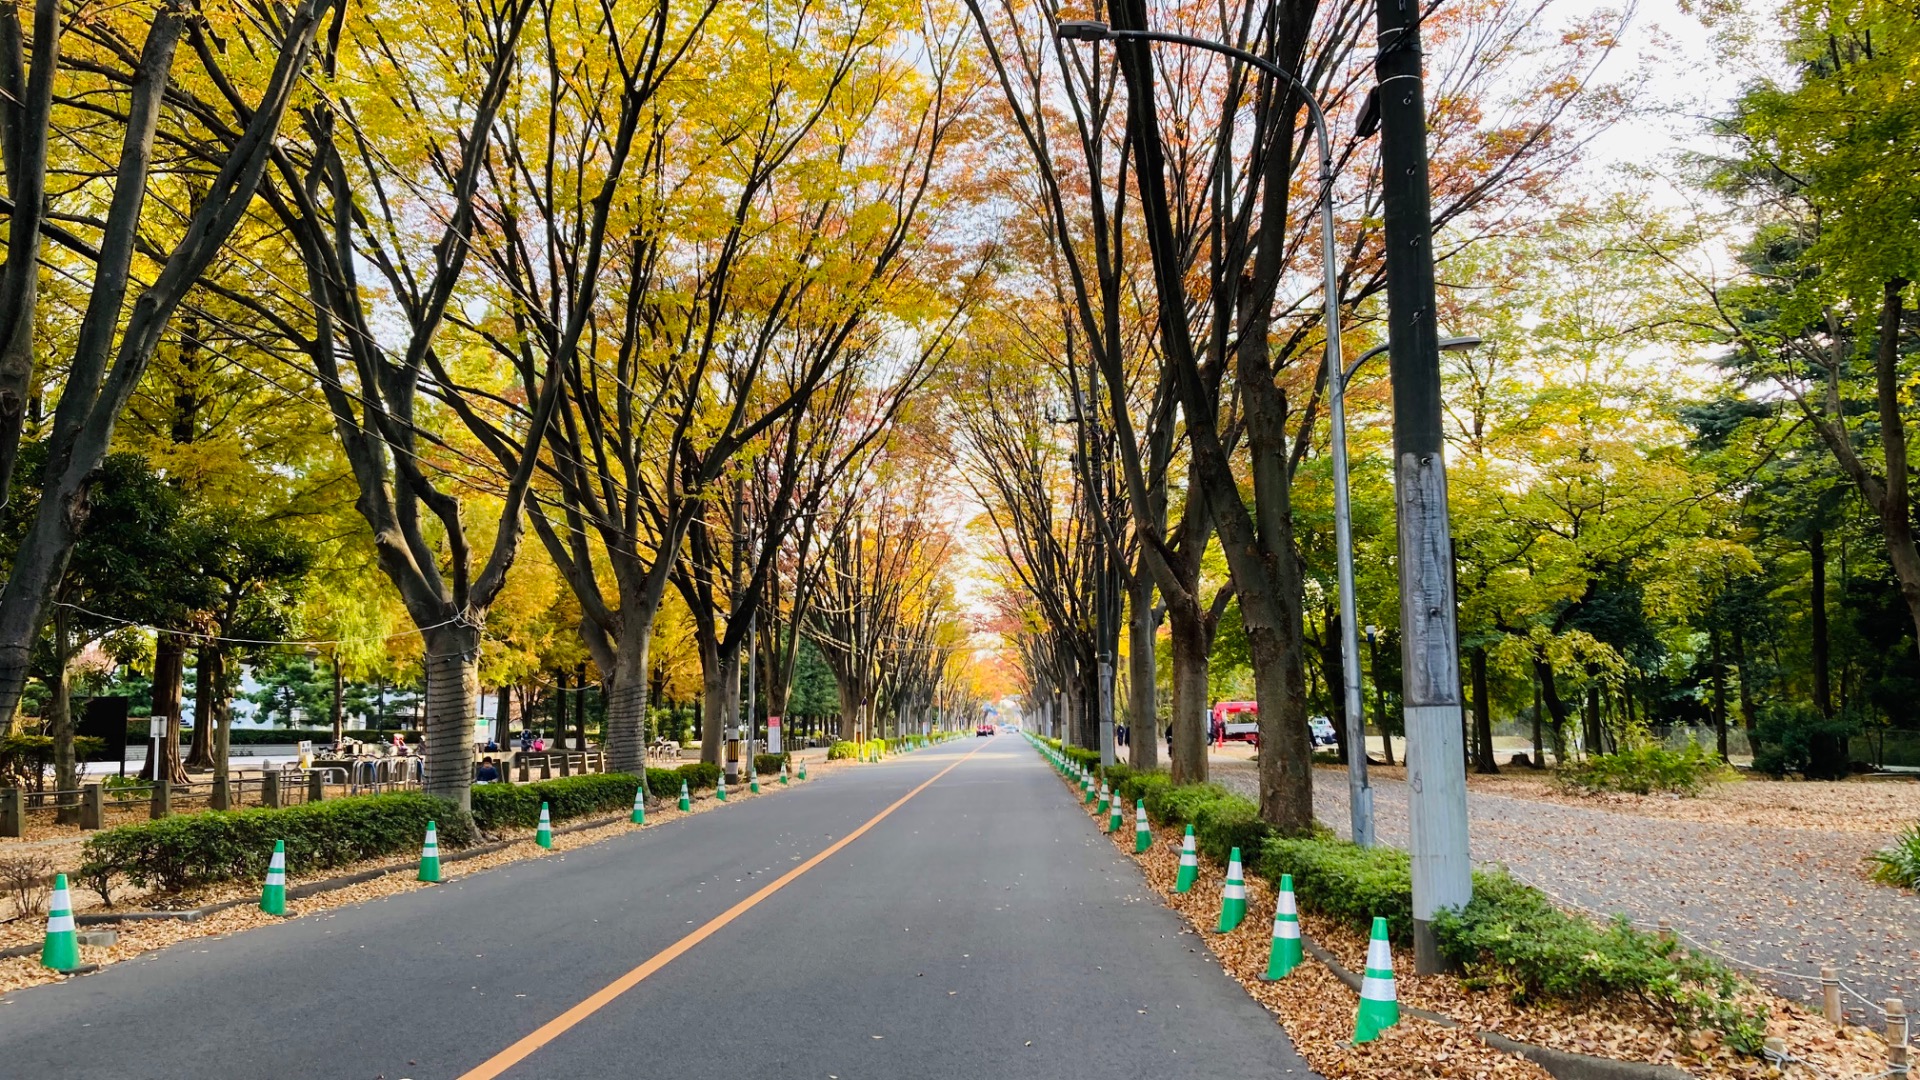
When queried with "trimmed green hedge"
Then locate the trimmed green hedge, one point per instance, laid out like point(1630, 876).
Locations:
point(218, 846)
point(769, 764)
point(700, 776)
point(498, 806)
point(842, 751)
point(1511, 935)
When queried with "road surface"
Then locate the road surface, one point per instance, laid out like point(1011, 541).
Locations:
point(981, 928)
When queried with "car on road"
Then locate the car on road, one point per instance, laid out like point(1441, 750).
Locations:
point(983, 729)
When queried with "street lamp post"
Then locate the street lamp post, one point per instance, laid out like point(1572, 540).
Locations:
point(1359, 795)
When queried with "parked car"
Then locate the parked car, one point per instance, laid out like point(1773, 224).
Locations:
point(1320, 729)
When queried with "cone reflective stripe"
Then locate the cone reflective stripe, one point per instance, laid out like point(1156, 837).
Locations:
point(1379, 1005)
point(1105, 799)
point(1114, 817)
point(1233, 898)
point(1284, 955)
point(273, 898)
point(1189, 863)
point(430, 855)
point(62, 949)
point(640, 804)
point(685, 803)
point(1142, 832)
point(545, 836)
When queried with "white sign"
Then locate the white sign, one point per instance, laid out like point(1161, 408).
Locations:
point(773, 734)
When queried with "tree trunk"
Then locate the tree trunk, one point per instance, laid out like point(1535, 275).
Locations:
point(1821, 647)
point(1483, 760)
point(720, 687)
point(559, 709)
point(219, 705)
point(1596, 740)
point(1335, 674)
point(1719, 691)
point(169, 658)
point(1556, 708)
point(1286, 749)
point(337, 708)
point(849, 718)
point(1539, 747)
point(200, 751)
point(623, 734)
point(502, 717)
point(1190, 661)
point(66, 769)
point(452, 668)
point(1143, 735)
point(580, 708)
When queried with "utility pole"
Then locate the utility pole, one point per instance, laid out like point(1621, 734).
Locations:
point(1436, 775)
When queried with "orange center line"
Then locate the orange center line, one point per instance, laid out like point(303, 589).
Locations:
point(566, 1021)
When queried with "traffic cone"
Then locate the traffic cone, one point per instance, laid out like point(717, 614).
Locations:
point(783, 774)
point(753, 784)
point(720, 789)
point(1284, 955)
point(62, 949)
point(1104, 800)
point(545, 836)
point(1379, 1005)
point(273, 898)
point(1113, 816)
point(803, 770)
point(1189, 864)
point(1092, 792)
point(430, 855)
point(1142, 832)
point(640, 804)
point(685, 803)
point(1233, 898)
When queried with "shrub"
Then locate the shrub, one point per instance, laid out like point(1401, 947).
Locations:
point(1345, 880)
point(701, 775)
point(1644, 770)
point(768, 764)
point(216, 846)
point(1793, 737)
point(1512, 935)
point(843, 751)
point(498, 806)
point(665, 783)
point(1899, 864)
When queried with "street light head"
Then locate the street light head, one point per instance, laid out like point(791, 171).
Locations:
point(1460, 344)
point(1083, 30)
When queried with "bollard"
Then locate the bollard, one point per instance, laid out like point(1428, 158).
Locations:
point(1896, 1011)
point(1830, 995)
point(270, 789)
point(524, 774)
point(13, 812)
point(1898, 1062)
point(1666, 930)
point(93, 806)
point(316, 786)
point(566, 765)
point(162, 804)
point(546, 766)
point(222, 797)
point(1774, 1050)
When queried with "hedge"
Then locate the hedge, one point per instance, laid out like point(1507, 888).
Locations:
point(699, 775)
point(769, 764)
point(1510, 935)
point(219, 845)
point(842, 751)
point(498, 806)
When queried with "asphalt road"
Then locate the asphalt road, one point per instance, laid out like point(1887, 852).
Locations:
point(983, 928)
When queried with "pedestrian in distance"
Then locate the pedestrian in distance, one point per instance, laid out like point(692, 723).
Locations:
point(487, 773)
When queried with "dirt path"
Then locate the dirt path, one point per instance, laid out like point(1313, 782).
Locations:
point(1786, 897)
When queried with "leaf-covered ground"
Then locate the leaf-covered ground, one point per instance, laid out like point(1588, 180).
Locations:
point(1767, 873)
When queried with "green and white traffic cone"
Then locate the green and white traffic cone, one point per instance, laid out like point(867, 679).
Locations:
point(783, 774)
point(1379, 1005)
point(685, 802)
point(1105, 800)
point(753, 784)
point(273, 898)
point(640, 804)
point(545, 836)
point(1113, 816)
point(1142, 832)
point(1189, 864)
point(1092, 792)
point(1233, 898)
point(62, 949)
point(1284, 955)
point(430, 855)
point(803, 770)
point(720, 789)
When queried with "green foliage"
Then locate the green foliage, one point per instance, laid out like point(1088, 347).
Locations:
point(769, 764)
point(1511, 935)
point(1344, 880)
point(1899, 864)
point(218, 846)
point(291, 688)
point(30, 752)
point(1644, 770)
point(498, 806)
point(843, 751)
point(1794, 737)
point(699, 775)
